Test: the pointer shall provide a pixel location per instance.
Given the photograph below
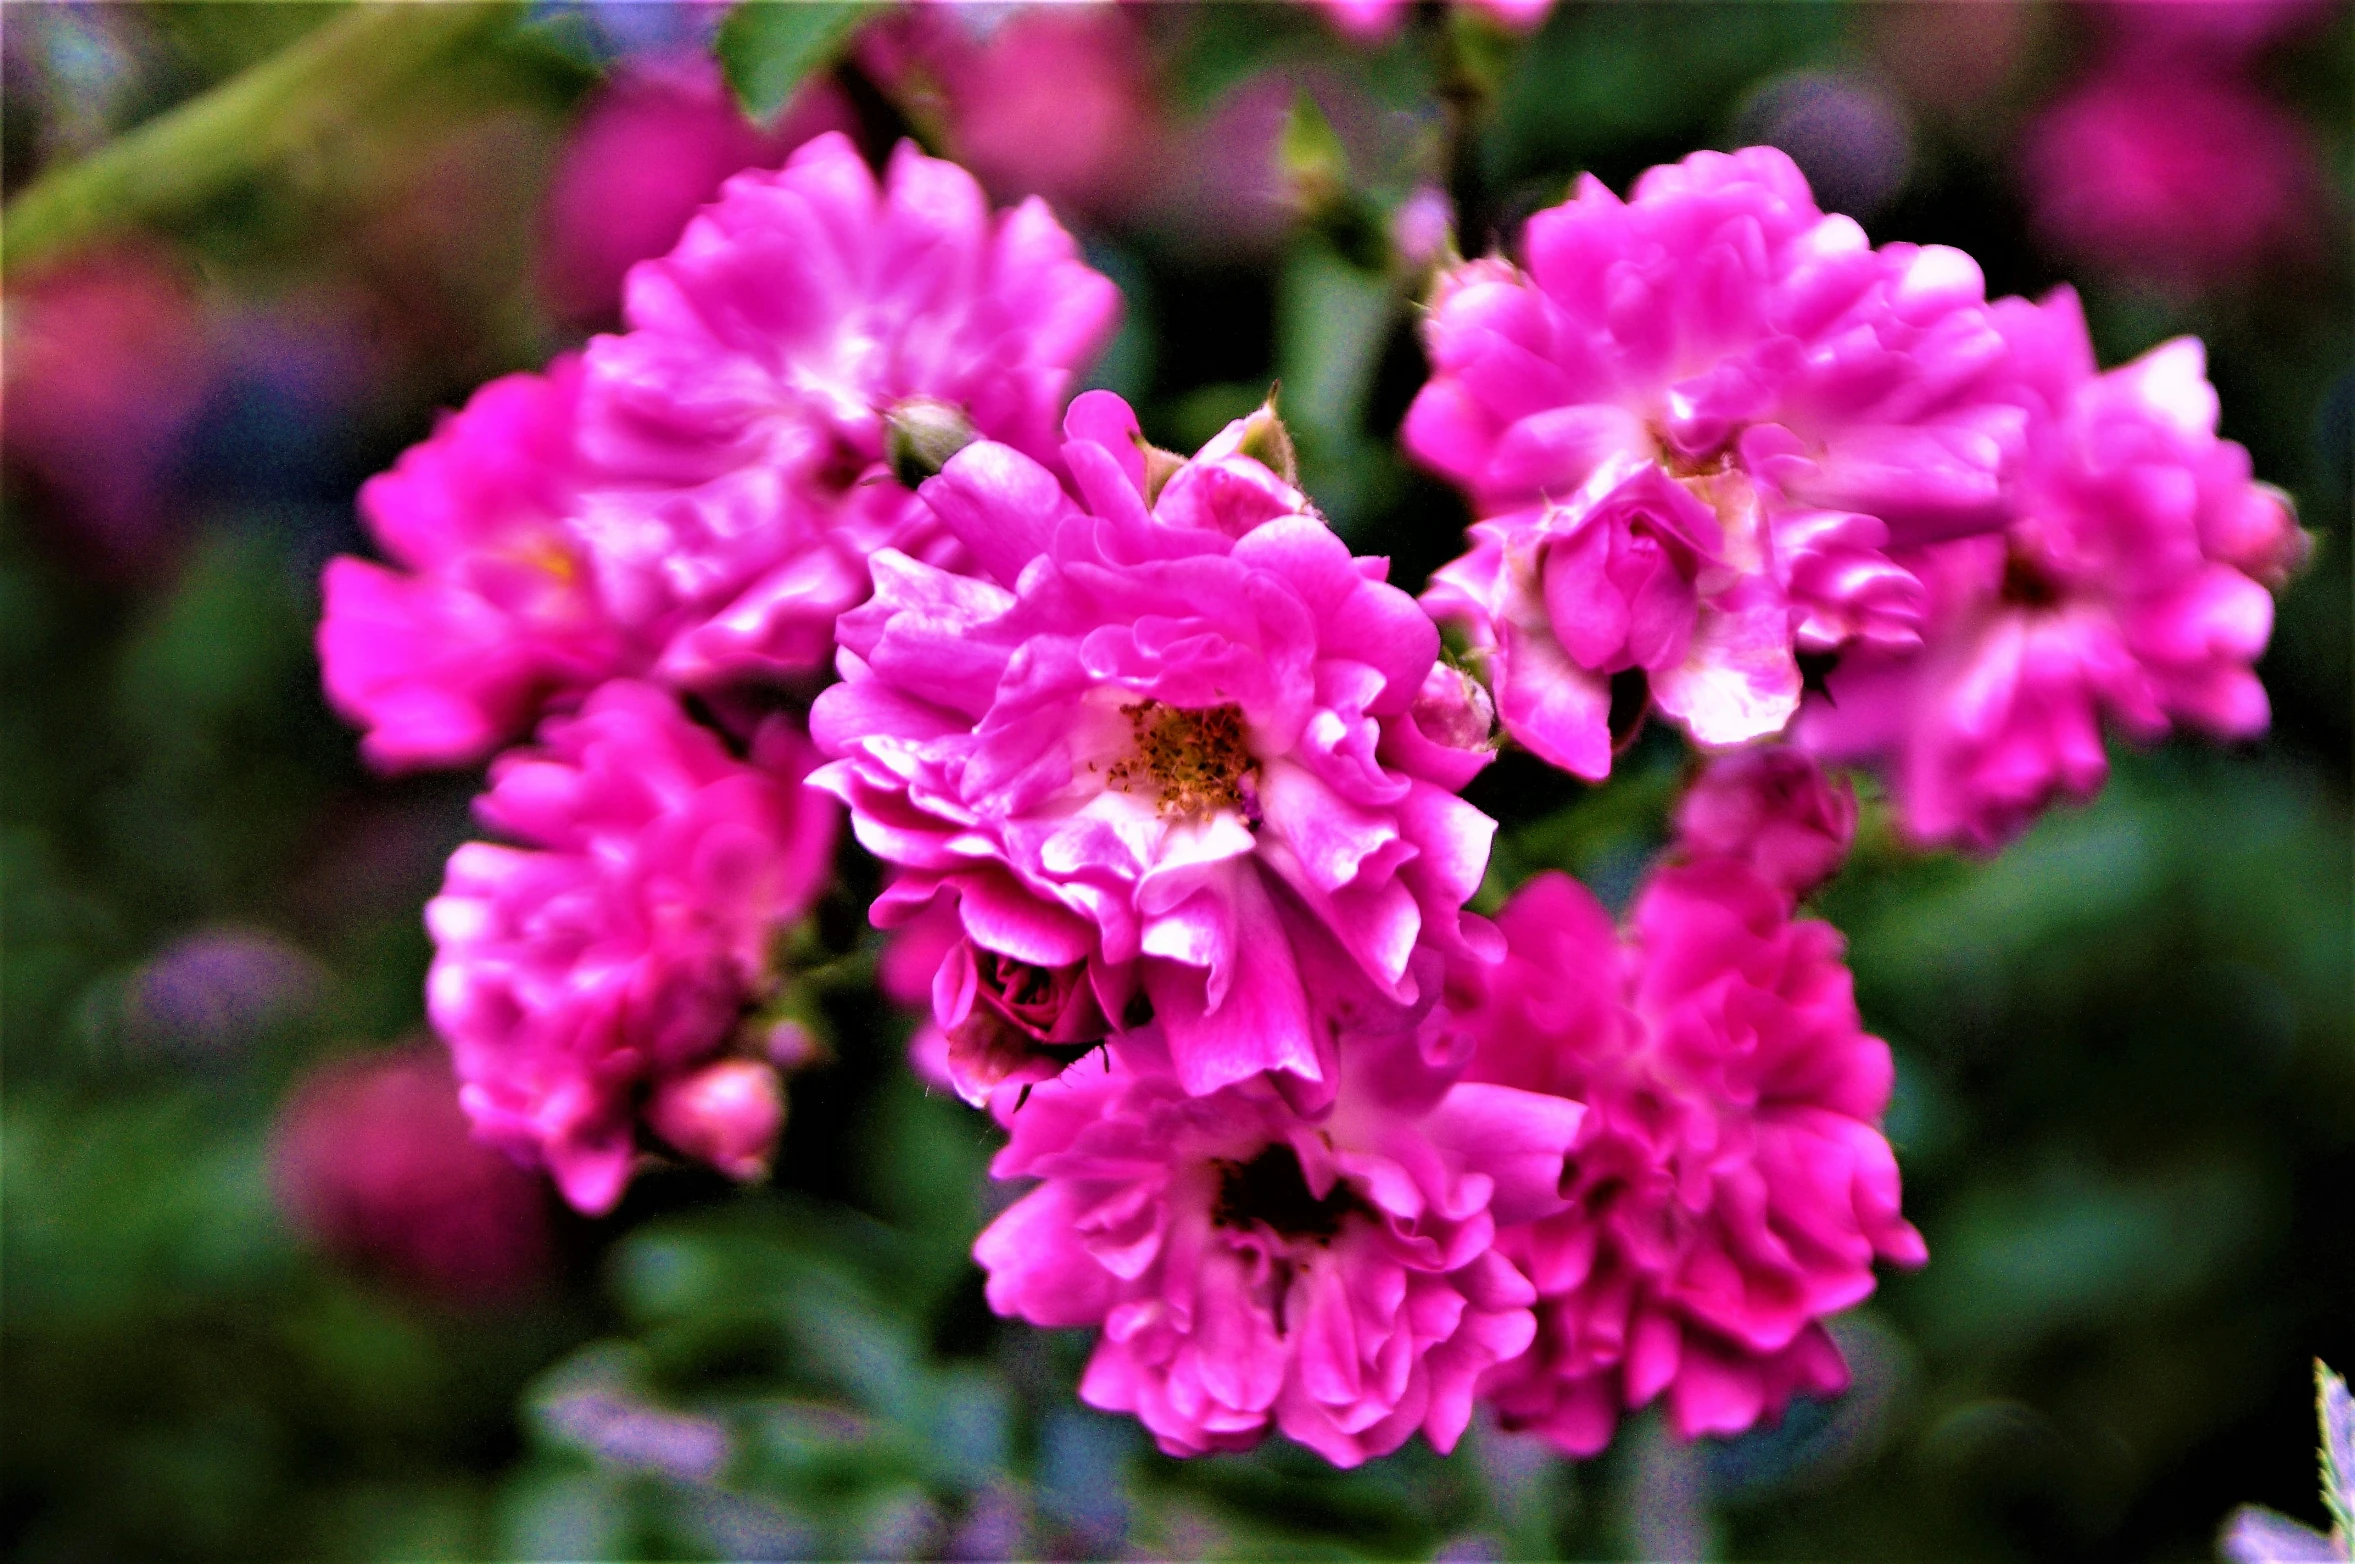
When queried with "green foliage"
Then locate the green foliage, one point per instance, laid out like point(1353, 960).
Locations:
point(770, 47)
point(2126, 1076)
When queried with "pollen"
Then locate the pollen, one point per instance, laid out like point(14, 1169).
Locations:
point(1193, 761)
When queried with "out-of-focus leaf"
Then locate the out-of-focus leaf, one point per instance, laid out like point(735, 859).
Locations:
point(2023, 1260)
point(770, 47)
point(566, 1515)
point(1602, 78)
point(1332, 320)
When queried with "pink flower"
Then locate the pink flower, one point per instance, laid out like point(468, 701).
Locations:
point(2168, 173)
point(738, 425)
point(494, 608)
point(2131, 587)
point(1773, 810)
point(371, 1160)
point(694, 501)
point(1005, 1021)
point(1694, 429)
point(1055, 101)
point(1373, 20)
point(109, 364)
point(653, 144)
point(1162, 742)
point(2204, 33)
point(610, 965)
point(1728, 1188)
point(1336, 1279)
point(912, 956)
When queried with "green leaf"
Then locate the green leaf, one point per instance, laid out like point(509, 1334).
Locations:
point(1332, 321)
point(770, 47)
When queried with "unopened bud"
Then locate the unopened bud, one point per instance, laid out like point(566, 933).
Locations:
point(1454, 709)
point(921, 434)
point(727, 1114)
point(1267, 442)
point(1422, 230)
point(792, 1045)
point(1160, 467)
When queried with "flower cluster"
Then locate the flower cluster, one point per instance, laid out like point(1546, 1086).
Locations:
point(1710, 431)
point(1729, 1187)
point(2129, 584)
point(1168, 783)
point(1695, 428)
point(602, 972)
point(693, 499)
point(641, 553)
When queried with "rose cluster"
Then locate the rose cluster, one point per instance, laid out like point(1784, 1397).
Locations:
point(1168, 782)
point(1710, 432)
point(636, 560)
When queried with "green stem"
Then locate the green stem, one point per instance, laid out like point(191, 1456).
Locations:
point(238, 129)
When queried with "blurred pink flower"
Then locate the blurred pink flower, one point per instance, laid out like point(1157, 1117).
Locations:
point(1223, 191)
point(608, 966)
point(2173, 175)
point(109, 361)
point(1334, 1279)
point(1694, 429)
point(1056, 101)
point(1728, 1188)
point(1377, 19)
point(2204, 33)
point(372, 1162)
point(653, 143)
point(2131, 587)
point(1162, 742)
point(1773, 810)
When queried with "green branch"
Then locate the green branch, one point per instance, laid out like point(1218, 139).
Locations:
point(238, 129)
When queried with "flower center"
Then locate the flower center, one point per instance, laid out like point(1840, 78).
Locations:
point(2025, 586)
point(1270, 1191)
point(1711, 465)
point(1195, 762)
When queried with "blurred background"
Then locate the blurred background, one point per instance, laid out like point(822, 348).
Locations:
point(264, 1299)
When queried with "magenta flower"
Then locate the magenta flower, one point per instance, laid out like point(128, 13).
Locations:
point(1168, 743)
point(694, 501)
point(495, 607)
point(653, 143)
point(1772, 809)
point(1052, 101)
point(371, 1161)
point(2131, 588)
point(1694, 429)
point(110, 360)
point(1377, 19)
point(2204, 33)
point(738, 426)
point(1334, 1279)
point(604, 971)
point(2171, 174)
point(1728, 1189)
